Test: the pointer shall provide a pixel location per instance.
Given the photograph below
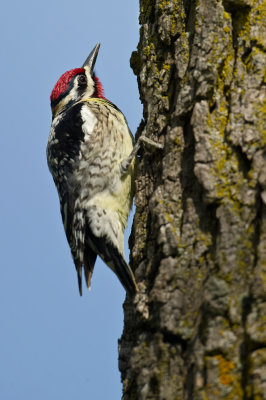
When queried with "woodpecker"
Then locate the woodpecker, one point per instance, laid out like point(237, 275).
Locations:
point(91, 157)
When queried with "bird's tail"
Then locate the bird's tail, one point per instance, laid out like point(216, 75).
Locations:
point(114, 259)
point(88, 264)
point(89, 261)
point(123, 271)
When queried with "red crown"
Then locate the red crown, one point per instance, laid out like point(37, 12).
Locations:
point(62, 83)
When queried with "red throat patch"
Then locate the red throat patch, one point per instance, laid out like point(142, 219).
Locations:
point(98, 88)
point(62, 83)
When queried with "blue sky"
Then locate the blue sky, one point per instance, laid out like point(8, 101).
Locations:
point(54, 344)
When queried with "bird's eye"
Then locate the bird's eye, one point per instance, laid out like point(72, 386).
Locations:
point(82, 80)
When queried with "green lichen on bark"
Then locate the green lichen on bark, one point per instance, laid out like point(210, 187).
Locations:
point(196, 330)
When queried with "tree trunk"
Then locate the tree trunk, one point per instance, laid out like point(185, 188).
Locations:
point(197, 329)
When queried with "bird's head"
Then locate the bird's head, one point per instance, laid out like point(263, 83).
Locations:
point(76, 85)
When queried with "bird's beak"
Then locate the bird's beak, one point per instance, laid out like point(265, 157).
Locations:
point(91, 59)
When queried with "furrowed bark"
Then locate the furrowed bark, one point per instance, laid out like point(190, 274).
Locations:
point(197, 329)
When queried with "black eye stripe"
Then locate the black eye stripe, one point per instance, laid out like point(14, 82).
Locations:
point(69, 88)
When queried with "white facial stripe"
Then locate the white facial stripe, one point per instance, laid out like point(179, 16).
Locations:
point(90, 85)
point(74, 91)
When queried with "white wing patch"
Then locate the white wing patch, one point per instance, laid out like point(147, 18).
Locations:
point(89, 120)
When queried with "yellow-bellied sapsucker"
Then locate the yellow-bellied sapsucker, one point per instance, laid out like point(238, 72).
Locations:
point(91, 157)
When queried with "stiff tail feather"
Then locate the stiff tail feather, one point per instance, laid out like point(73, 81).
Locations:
point(122, 270)
point(114, 259)
point(89, 261)
point(79, 274)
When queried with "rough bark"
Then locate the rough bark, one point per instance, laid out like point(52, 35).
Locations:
point(197, 329)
